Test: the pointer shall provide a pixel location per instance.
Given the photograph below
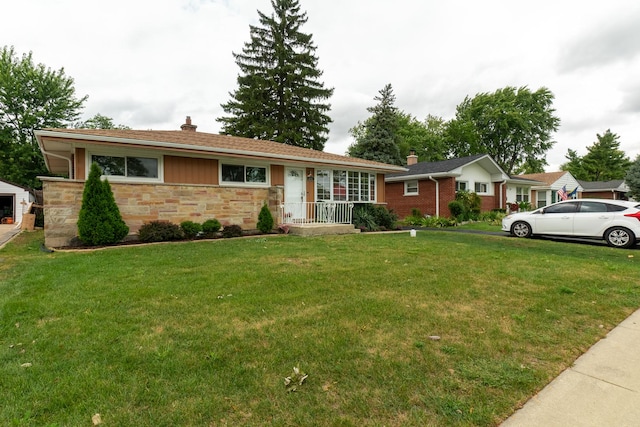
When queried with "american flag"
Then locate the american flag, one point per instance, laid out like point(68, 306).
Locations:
point(562, 193)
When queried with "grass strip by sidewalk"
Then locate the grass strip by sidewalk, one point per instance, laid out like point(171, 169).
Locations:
point(204, 333)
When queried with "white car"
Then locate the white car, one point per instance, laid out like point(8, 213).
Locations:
point(615, 221)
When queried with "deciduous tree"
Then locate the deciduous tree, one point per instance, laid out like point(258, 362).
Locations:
point(512, 125)
point(604, 160)
point(279, 95)
point(31, 97)
point(99, 122)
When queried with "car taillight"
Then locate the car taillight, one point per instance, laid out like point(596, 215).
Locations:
point(635, 215)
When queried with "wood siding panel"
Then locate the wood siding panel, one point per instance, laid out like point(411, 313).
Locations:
point(79, 164)
point(189, 170)
point(277, 175)
point(380, 196)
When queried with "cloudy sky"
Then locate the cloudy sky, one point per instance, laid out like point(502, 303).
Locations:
point(149, 63)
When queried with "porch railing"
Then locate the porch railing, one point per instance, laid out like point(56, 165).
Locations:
point(316, 212)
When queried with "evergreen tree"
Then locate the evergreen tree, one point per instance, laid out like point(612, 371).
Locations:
point(279, 97)
point(632, 179)
point(377, 139)
point(265, 219)
point(99, 220)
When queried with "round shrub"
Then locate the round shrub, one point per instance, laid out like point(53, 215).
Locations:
point(457, 208)
point(160, 231)
point(211, 226)
point(190, 229)
point(231, 231)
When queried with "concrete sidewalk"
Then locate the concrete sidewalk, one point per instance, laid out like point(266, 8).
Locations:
point(602, 388)
point(7, 232)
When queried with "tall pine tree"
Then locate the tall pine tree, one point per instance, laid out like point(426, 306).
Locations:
point(377, 138)
point(279, 97)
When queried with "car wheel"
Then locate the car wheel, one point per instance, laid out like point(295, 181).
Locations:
point(619, 237)
point(521, 229)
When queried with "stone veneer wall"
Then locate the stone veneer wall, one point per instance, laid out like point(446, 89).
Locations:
point(140, 203)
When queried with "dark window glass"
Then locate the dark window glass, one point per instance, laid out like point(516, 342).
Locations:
point(110, 165)
point(255, 174)
point(562, 208)
point(233, 173)
point(142, 167)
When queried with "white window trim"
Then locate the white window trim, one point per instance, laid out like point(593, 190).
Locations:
point(119, 153)
point(411, 193)
point(488, 186)
point(466, 183)
point(267, 168)
point(373, 198)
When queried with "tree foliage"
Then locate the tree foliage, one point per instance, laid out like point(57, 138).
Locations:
point(99, 220)
point(513, 126)
point(378, 137)
point(632, 179)
point(427, 138)
point(604, 160)
point(31, 97)
point(99, 122)
point(279, 95)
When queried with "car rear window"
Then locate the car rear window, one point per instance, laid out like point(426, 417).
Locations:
point(616, 208)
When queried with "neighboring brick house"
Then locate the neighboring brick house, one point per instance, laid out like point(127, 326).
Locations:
point(430, 186)
point(188, 175)
point(549, 183)
point(615, 190)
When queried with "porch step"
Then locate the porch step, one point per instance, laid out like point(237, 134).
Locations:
point(321, 229)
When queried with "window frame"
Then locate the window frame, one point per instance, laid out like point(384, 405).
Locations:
point(361, 184)
point(159, 158)
point(480, 184)
point(460, 184)
point(245, 167)
point(411, 188)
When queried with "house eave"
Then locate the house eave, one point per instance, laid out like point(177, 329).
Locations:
point(420, 176)
point(380, 167)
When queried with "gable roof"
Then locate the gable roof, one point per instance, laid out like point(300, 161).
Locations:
point(614, 185)
point(12, 184)
point(444, 168)
point(57, 146)
point(547, 177)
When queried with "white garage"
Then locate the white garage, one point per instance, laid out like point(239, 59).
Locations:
point(14, 202)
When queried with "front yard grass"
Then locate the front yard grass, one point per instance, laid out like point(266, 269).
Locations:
point(440, 329)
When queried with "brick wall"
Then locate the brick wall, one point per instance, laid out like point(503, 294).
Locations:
point(140, 203)
point(425, 201)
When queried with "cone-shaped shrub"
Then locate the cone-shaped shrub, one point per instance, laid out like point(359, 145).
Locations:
point(99, 221)
point(265, 219)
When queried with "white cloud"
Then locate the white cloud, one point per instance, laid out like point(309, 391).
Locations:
point(149, 63)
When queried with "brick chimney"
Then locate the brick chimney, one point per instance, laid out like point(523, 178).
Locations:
point(412, 159)
point(188, 126)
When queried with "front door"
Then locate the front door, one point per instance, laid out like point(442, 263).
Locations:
point(294, 195)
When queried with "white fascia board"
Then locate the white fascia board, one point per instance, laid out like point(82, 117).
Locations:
point(421, 176)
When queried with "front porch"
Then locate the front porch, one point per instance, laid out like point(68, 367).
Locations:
point(318, 218)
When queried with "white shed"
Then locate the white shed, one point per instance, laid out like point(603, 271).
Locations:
point(14, 202)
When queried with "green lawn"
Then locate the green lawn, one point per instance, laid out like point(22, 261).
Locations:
point(204, 333)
